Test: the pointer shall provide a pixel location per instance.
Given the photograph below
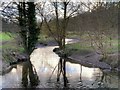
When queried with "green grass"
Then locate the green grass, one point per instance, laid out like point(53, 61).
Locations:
point(44, 38)
point(78, 46)
point(115, 46)
point(9, 48)
point(9, 45)
point(84, 43)
point(6, 36)
point(72, 34)
point(12, 47)
point(85, 46)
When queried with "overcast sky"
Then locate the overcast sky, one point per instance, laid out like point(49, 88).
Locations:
point(62, 0)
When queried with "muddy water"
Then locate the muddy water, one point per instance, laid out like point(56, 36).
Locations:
point(45, 61)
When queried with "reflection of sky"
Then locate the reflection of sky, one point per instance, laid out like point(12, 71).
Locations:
point(45, 60)
point(43, 57)
point(74, 70)
point(12, 79)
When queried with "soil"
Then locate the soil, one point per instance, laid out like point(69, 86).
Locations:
point(90, 60)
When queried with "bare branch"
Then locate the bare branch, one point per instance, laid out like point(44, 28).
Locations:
point(7, 6)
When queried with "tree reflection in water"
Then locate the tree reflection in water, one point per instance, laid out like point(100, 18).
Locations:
point(80, 73)
point(62, 69)
point(106, 79)
point(29, 70)
point(91, 77)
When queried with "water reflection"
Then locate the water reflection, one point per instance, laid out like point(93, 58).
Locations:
point(45, 62)
point(12, 79)
point(13, 70)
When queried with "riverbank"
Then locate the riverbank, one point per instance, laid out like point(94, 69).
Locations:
point(90, 58)
point(9, 45)
point(4, 67)
point(85, 57)
point(94, 60)
point(45, 61)
point(44, 53)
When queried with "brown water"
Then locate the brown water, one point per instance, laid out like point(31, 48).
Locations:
point(45, 61)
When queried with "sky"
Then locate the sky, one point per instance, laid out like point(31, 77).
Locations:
point(62, 0)
point(55, 0)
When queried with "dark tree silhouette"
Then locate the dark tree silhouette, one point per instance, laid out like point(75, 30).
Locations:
point(29, 33)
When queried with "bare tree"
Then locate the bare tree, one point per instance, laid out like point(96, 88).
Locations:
point(60, 12)
point(99, 23)
point(103, 27)
point(29, 33)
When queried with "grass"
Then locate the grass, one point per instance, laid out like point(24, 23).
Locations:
point(72, 34)
point(44, 38)
point(78, 46)
point(84, 44)
point(9, 45)
point(115, 46)
point(9, 38)
point(6, 36)
point(12, 47)
point(8, 48)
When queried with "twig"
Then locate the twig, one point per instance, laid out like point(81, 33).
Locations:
point(53, 71)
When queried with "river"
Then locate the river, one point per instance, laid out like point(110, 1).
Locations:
point(45, 61)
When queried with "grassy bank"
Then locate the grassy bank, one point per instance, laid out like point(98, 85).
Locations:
point(9, 45)
point(6, 36)
point(84, 47)
point(111, 46)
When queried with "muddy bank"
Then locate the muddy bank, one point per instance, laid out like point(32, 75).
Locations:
point(94, 60)
point(6, 67)
point(90, 58)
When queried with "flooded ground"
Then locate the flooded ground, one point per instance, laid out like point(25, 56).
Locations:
point(45, 61)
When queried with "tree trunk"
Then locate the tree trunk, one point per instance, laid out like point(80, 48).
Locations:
point(29, 34)
point(34, 80)
point(64, 74)
point(28, 70)
point(25, 74)
point(80, 73)
point(59, 69)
